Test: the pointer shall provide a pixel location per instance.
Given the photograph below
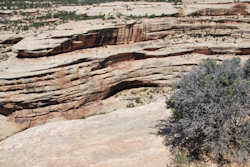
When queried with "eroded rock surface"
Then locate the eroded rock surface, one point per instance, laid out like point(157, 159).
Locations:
point(67, 72)
point(125, 138)
point(88, 34)
point(7, 128)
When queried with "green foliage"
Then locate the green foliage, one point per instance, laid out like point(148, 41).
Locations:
point(25, 4)
point(40, 21)
point(138, 100)
point(211, 112)
point(130, 105)
point(52, 17)
point(181, 158)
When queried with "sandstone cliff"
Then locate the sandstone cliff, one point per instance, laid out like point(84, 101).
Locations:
point(65, 73)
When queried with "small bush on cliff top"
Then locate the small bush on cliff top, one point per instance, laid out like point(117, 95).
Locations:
point(211, 113)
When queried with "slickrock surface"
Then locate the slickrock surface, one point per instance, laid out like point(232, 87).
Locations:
point(124, 138)
point(67, 72)
point(7, 128)
point(134, 9)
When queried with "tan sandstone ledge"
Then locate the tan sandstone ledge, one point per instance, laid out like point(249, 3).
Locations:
point(125, 138)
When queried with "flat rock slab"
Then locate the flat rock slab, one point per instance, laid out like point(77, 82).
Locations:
point(124, 138)
point(135, 9)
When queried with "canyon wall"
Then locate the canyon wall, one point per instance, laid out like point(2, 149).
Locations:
point(67, 72)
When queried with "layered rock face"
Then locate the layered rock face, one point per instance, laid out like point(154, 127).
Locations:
point(66, 72)
point(80, 37)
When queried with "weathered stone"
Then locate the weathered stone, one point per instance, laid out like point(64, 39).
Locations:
point(122, 138)
point(119, 9)
point(10, 38)
point(72, 71)
point(94, 33)
point(7, 127)
point(66, 72)
point(51, 86)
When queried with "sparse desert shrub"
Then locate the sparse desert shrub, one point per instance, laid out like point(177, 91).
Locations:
point(138, 100)
point(130, 105)
point(24, 4)
point(210, 116)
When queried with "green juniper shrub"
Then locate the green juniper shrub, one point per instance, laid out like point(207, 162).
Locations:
point(210, 116)
point(130, 105)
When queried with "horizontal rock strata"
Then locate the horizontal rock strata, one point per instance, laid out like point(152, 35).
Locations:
point(68, 71)
point(82, 77)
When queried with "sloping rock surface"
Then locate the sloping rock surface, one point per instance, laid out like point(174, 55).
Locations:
point(124, 138)
point(7, 128)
